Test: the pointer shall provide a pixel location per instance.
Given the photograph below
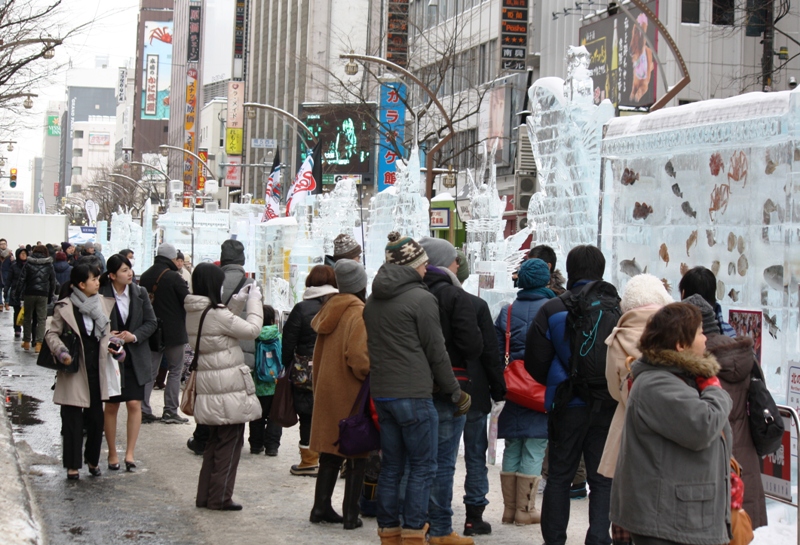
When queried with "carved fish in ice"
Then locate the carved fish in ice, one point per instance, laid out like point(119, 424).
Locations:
point(731, 268)
point(663, 253)
point(740, 244)
point(771, 165)
point(684, 268)
point(742, 265)
point(670, 169)
point(731, 242)
point(734, 295)
point(720, 294)
point(630, 267)
point(629, 177)
point(641, 210)
point(688, 210)
point(773, 275)
point(710, 237)
point(676, 189)
point(715, 267)
point(667, 285)
point(691, 241)
point(772, 322)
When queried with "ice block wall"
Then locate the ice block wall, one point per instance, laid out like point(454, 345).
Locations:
point(713, 183)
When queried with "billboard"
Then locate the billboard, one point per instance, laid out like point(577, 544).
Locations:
point(157, 69)
point(392, 132)
point(53, 125)
point(623, 57)
point(345, 132)
point(99, 139)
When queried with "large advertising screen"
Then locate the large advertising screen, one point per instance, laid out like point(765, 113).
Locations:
point(623, 57)
point(345, 133)
point(157, 67)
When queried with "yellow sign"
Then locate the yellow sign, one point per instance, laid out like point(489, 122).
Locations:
point(233, 141)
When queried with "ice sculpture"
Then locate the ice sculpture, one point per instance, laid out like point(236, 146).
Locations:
point(244, 219)
point(210, 231)
point(380, 224)
point(714, 183)
point(125, 233)
point(411, 211)
point(338, 213)
point(565, 130)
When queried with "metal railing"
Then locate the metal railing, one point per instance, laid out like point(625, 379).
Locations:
point(788, 412)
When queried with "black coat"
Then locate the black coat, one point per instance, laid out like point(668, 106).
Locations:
point(298, 335)
point(462, 336)
point(38, 277)
point(168, 300)
point(63, 271)
point(486, 372)
point(12, 281)
point(142, 323)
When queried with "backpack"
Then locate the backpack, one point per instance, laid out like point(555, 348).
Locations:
point(268, 361)
point(592, 315)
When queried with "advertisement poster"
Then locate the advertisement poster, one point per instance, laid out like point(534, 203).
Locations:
point(776, 469)
point(189, 119)
point(392, 132)
point(747, 323)
point(623, 57)
point(99, 139)
point(157, 69)
point(53, 125)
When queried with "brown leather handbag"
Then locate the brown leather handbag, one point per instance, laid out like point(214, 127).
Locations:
point(741, 525)
point(189, 391)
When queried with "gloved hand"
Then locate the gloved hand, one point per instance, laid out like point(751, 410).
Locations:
point(704, 383)
point(464, 403)
point(241, 295)
point(63, 357)
point(255, 292)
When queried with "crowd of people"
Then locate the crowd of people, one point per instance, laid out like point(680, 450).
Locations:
point(650, 398)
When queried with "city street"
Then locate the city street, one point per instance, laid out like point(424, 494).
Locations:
point(155, 504)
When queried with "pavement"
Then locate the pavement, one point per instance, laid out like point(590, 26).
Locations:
point(155, 505)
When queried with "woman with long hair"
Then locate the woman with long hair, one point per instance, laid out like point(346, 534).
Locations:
point(671, 484)
point(133, 321)
point(86, 314)
point(225, 391)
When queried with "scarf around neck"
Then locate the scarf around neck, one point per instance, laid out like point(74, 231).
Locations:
point(91, 307)
point(546, 292)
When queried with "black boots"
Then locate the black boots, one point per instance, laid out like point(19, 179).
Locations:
point(475, 525)
point(326, 481)
point(354, 482)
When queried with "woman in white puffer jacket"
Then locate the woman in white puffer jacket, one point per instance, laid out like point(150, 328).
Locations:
point(226, 395)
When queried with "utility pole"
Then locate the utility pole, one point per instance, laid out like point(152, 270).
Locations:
point(769, 52)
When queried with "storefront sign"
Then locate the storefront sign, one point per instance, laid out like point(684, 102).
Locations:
point(440, 218)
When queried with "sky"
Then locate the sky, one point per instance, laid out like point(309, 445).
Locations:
point(111, 32)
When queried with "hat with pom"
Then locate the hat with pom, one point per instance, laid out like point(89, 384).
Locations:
point(533, 273)
point(345, 247)
point(404, 251)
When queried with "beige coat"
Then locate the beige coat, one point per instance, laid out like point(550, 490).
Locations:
point(225, 390)
point(622, 344)
point(341, 363)
point(73, 388)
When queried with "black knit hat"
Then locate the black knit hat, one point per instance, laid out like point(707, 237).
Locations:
point(404, 251)
point(232, 253)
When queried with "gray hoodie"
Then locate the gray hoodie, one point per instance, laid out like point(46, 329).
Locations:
point(404, 336)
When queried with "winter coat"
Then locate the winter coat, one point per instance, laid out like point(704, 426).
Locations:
point(462, 337)
point(38, 277)
point(298, 335)
point(226, 393)
point(342, 364)
point(407, 352)
point(486, 372)
point(73, 388)
point(168, 302)
point(622, 344)
point(516, 421)
point(547, 349)
point(141, 323)
point(63, 270)
point(673, 472)
point(736, 359)
point(5, 271)
point(14, 274)
point(234, 275)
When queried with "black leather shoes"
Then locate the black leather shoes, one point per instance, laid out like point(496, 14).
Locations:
point(94, 471)
point(232, 506)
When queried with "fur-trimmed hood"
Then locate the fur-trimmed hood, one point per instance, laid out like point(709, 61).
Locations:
point(678, 362)
point(736, 357)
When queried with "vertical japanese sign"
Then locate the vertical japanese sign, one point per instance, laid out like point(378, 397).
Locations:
point(122, 84)
point(392, 132)
point(238, 39)
point(513, 35)
point(191, 104)
point(195, 18)
point(234, 128)
point(201, 173)
point(157, 68)
point(397, 32)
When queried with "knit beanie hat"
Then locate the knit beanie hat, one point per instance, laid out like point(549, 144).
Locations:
point(642, 290)
point(710, 323)
point(440, 252)
point(533, 273)
point(167, 250)
point(404, 251)
point(345, 247)
point(463, 267)
point(65, 245)
point(350, 276)
point(61, 256)
point(232, 253)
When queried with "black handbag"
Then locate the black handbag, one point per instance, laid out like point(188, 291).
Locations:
point(48, 360)
point(766, 423)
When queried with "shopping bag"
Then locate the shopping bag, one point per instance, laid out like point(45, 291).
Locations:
point(113, 375)
point(282, 410)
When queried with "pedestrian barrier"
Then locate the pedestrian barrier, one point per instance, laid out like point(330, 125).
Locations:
point(776, 468)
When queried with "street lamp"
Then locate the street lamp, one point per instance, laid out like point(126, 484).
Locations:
point(10, 144)
point(351, 68)
point(138, 185)
point(429, 157)
point(251, 107)
point(28, 102)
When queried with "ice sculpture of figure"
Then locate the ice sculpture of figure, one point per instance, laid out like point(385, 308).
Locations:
point(338, 213)
point(565, 130)
point(380, 224)
point(411, 212)
point(486, 224)
point(125, 234)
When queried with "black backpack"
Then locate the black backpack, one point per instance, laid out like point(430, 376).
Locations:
point(766, 423)
point(592, 314)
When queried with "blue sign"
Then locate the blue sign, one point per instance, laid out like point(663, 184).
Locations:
point(392, 132)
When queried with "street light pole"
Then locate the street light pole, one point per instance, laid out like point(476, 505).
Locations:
point(250, 108)
point(139, 185)
point(352, 69)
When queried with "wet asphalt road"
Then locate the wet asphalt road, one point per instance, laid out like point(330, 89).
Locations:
point(155, 505)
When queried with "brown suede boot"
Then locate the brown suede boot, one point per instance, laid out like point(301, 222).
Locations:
point(38, 348)
point(309, 463)
point(452, 539)
point(390, 536)
point(26, 345)
point(508, 484)
point(526, 512)
point(414, 537)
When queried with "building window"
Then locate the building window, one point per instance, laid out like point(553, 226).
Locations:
point(690, 11)
point(78, 134)
point(77, 171)
point(77, 152)
point(722, 12)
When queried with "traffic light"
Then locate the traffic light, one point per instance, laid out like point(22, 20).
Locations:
point(13, 177)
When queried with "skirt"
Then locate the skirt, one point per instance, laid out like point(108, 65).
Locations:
point(132, 390)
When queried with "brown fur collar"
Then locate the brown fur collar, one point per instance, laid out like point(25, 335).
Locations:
point(706, 366)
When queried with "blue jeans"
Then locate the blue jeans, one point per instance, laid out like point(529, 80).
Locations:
point(440, 514)
point(524, 456)
point(409, 430)
point(476, 443)
point(575, 431)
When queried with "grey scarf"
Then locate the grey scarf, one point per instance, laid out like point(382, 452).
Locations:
point(91, 307)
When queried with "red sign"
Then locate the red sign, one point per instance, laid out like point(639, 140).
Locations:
point(776, 469)
point(56, 187)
